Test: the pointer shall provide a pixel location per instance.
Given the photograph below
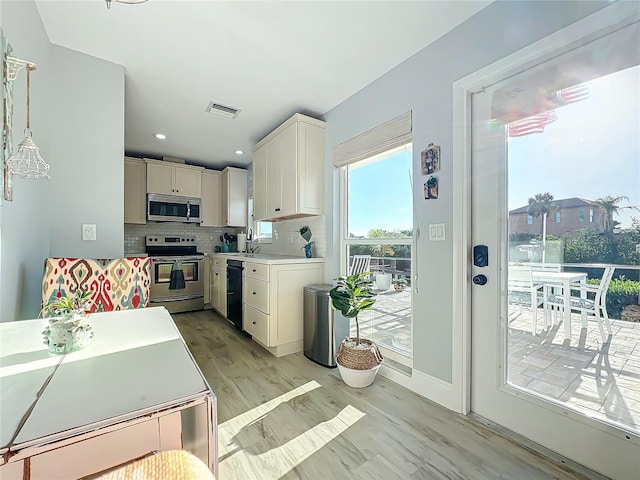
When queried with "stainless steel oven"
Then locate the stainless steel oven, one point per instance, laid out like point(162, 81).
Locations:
point(165, 251)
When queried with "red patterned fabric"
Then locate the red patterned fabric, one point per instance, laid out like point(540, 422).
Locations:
point(117, 284)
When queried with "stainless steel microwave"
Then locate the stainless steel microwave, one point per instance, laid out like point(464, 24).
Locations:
point(171, 208)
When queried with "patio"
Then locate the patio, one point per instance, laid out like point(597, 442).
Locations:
point(389, 322)
point(603, 380)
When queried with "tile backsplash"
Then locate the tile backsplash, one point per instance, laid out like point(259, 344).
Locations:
point(286, 236)
point(206, 237)
point(287, 240)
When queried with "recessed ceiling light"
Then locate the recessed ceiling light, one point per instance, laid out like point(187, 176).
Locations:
point(239, 152)
point(160, 136)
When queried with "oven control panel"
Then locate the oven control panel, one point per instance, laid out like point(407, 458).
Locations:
point(166, 240)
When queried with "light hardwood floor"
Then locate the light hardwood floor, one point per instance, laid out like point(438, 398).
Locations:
point(292, 419)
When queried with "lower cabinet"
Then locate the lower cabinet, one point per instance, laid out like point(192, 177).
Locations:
point(273, 303)
point(218, 286)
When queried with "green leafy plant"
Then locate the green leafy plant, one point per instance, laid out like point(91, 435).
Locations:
point(400, 281)
point(352, 295)
point(621, 292)
point(65, 306)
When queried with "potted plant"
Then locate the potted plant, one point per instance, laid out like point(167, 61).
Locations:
point(305, 232)
point(358, 359)
point(69, 326)
point(399, 284)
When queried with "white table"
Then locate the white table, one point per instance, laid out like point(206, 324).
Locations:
point(133, 391)
point(563, 279)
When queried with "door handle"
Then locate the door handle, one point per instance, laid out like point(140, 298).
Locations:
point(277, 209)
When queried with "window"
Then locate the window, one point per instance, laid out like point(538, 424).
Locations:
point(557, 217)
point(581, 215)
point(591, 215)
point(262, 231)
point(377, 211)
point(529, 219)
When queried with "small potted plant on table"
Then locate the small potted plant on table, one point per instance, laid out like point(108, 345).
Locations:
point(399, 284)
point(69, 326)
point(358, 359)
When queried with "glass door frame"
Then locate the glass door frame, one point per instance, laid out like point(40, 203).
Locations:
point(601, 22)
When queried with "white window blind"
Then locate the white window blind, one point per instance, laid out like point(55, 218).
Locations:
point(394, 133)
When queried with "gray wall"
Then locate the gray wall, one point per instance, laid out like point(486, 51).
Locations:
point(423, 83)
point(87, 148)
point(77, 117)
point(24, 228)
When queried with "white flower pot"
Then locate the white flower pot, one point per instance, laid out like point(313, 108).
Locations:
point(383, 281)
point(358, 378)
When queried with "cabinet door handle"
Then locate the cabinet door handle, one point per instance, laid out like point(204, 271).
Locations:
point(253, 323)
point(254, 270)
point(254, 293)
point(277, 209)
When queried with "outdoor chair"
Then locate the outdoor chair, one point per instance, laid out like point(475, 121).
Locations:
point(360, 264)
point(523, 292)
point(596, 306)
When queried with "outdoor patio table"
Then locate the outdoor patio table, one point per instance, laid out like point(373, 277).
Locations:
point(564, 279)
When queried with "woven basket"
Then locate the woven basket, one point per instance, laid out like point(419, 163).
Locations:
point(359, 359)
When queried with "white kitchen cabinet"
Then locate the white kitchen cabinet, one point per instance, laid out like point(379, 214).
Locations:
point(289, 174)
point(173, 179)
point(135, 191)
point(210, 198)
point(273, 303)
point(207, 280)
point(218, 285)
point(233, 197)
point(260, 183)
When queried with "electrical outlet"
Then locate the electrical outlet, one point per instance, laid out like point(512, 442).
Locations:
point(89, 232)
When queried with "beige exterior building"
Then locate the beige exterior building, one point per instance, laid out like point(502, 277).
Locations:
point(571, 215)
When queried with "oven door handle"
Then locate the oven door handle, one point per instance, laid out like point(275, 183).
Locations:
point(188, 209)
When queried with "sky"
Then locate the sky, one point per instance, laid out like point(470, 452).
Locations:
point(380, 195)
point(591, 151)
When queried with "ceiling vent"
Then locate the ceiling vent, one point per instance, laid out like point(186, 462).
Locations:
point(224, 110)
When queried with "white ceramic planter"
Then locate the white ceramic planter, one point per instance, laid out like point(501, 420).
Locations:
point(383, 281)
point(358, 378)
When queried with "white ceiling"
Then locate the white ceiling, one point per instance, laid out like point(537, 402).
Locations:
point(268, 58)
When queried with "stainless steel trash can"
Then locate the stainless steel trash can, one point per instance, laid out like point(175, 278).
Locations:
point(324, 328)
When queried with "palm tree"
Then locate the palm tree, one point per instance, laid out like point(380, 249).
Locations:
point(541, 204)
point(611, 207)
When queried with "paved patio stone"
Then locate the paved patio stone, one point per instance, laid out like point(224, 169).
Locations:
point(602, 379)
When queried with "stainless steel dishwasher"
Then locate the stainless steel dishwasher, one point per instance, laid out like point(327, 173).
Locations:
point(234, 293)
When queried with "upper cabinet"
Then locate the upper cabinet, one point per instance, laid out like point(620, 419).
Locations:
point(210, 203)
point(135, 189)
point(288, 171)
point(173, 179)
point(233, 197)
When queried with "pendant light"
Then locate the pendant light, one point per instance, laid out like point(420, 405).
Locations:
point(27, 162)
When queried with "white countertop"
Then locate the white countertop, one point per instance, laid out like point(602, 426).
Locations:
point(268, 258)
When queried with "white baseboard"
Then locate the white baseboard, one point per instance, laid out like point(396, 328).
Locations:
point(432, 388)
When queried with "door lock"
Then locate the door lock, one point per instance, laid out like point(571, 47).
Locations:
point(480, 280)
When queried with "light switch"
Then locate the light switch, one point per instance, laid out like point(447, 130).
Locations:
point(89, 231)
point(436, 232)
